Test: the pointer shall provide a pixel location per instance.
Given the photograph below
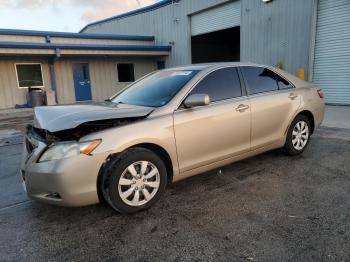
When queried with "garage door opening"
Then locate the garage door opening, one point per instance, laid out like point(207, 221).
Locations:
point(219, 46)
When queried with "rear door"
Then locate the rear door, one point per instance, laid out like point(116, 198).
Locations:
point(273, 104)
point(217, 131)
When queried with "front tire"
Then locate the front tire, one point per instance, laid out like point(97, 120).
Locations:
point(298, 136)
point(134, 180)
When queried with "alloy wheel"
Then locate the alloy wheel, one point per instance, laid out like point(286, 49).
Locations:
point(300, 135)
point(139, 183)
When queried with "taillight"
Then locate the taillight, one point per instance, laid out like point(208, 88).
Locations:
point(320, 93)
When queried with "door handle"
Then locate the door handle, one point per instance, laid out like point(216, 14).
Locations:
point(241, 108)
point(292, 96)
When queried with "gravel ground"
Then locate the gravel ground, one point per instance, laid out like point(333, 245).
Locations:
point(267, 208)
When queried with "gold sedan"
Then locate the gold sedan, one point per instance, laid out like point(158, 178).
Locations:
point(167, 126)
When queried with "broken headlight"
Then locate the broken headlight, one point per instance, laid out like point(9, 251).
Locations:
point(68, 149)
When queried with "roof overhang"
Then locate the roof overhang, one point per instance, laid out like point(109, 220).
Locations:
point(20, 32)
point(28, 48)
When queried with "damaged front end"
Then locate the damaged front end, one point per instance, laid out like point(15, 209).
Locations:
point(74, 134)
point(59, 161)
point(72, 122)
point(67, 143)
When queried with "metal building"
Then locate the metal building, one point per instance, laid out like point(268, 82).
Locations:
point(74, 67)
point(305, 37)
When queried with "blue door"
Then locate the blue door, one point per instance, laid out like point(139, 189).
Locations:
point(82, 84)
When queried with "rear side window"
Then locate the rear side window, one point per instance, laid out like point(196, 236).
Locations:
point(259, 79)
point(282, 83)
point(219, 85)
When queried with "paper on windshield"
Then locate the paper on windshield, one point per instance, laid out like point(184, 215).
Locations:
point(181, 73)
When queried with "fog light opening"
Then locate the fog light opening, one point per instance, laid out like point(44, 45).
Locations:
point(54, 195)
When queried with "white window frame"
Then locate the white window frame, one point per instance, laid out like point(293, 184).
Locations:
point(42, 75)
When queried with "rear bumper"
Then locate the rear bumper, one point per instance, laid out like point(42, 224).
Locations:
point(66, 182)
point(319, 115)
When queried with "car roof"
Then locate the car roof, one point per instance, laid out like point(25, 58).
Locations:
point(205, 66)
point(208, 66)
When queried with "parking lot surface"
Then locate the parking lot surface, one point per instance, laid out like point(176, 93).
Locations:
point(267, 208)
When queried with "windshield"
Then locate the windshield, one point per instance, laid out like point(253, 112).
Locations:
point(155, 90)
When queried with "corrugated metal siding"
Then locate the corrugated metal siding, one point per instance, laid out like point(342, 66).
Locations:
point(217, 18)
point(10, 94)
point(103, 76)
point(104, 80)
point(277, 32)
point(64, 82)
point(332, 50)
point(167, 24)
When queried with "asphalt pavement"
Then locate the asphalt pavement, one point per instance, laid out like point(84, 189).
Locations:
point(267, 208)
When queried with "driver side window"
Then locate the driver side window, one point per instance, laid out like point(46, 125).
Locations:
point(220, 85)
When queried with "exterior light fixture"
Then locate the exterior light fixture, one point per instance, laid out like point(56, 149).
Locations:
point(266, 1)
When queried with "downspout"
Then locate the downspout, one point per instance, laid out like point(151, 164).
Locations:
point(313, 40)
point(52, 72)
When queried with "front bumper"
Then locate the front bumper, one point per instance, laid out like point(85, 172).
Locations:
point(65, 182)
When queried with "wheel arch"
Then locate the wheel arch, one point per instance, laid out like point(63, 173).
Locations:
point(158, 150)
point(310, 117)
point(163, 154)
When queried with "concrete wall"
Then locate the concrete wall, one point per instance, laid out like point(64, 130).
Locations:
point(10, 94)
point(170, 23)
point(277, 32)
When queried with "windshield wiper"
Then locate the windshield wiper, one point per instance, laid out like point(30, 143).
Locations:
point(118, 103)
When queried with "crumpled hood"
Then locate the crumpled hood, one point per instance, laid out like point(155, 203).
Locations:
point(62, 117)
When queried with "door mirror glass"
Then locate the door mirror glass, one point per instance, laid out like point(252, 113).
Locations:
point(196, 100)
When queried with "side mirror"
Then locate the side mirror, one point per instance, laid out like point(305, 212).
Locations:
point(196, 100)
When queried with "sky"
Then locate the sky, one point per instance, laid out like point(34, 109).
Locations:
point(61, 15)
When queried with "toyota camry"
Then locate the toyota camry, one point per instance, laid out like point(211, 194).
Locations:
point(165, 127)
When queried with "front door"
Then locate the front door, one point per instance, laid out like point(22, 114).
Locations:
point(211, 133)
point(82, 84)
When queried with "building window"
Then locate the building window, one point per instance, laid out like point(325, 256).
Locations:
point(160, 65)
point(126, 72)
point(29, 75)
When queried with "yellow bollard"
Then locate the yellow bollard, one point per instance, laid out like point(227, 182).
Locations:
point(301, 73)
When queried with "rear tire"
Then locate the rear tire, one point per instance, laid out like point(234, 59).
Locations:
point(134, 180)
point(298, 136)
